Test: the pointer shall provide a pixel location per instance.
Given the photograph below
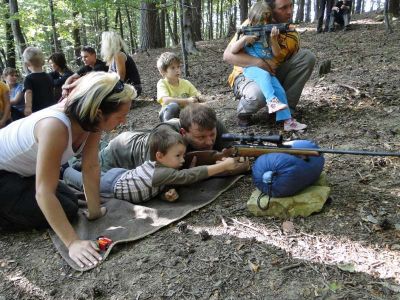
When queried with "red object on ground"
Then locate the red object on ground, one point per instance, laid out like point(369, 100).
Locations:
point(104, 242)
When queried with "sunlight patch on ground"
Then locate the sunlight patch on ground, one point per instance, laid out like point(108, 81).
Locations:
point(322, 249)
point(22, 283)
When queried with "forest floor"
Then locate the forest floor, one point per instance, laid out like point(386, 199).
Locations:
point(350, 250)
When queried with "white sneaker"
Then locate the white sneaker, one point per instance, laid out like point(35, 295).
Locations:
point(293, 125)
point(275, 105)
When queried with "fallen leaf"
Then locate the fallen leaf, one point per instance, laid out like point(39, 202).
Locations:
point(253, 267)
point(392, 287)
point(370, 219)
point(287, 227)
point(349, 267)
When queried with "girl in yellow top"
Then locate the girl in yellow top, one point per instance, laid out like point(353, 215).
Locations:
point(173, 92)
point(4, 104)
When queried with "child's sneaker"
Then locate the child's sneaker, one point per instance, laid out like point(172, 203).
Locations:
point(293, 125)
point(275, 105)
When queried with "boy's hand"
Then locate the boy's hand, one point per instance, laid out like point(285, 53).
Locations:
point(193, 99)
point(171, 195)
point(228, 162)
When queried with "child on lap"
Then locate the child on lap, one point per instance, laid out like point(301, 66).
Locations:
point(167, 150)
point(260, 13)
point(173, 92)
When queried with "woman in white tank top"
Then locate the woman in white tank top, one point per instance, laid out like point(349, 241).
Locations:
point(33, 149)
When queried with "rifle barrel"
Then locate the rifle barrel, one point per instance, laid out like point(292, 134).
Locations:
point(319, 150)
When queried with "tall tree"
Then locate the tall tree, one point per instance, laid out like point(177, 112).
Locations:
point(244, 10)
point(148, 18)
point(308, 11)
point(77, 37)
point(232, 18)
point(161, 17)
point(210, 19)
point(196, 20)
point(300, 11)
point(132, 43)
point(394, 8)
point(9, 59)
point(187, 27)
point(174, 37)
point(56, 42)
point(16, 27)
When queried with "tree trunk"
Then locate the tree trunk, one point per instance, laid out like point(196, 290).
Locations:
point(187, 28)
point(210, 19)
point(244, 10)
point(308, 12)
point(162, 14)
point(106, 20)
point(387, 19)
point(196, 20)
point(175, 22)
point(83, 31)
point(221, 20)
point(16, 28)
point(77, 38)
point(174, 37)
point(394, 8)
point(183, 41)
point(10, 55)
point(148, 18)
point(132, 43)
point(232, 19)
point(56, 42)
point(300, 11)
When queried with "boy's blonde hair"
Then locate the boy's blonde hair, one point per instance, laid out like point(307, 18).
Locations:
point(162, 139)
point(165, 60)
point(259, 13)
point(34, 56)
point(111, 44)
point(97, 91)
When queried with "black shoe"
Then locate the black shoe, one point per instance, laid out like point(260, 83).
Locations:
point(319, 30)
point(244, 120)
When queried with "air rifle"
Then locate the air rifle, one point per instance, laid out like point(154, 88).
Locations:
point(256, 145)
point(262, 32)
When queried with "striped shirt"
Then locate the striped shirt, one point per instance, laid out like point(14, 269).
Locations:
point(150, 179)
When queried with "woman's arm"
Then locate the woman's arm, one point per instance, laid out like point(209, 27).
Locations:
point(243, 59)
point(120, 59)
point(91, 175)
point(245, 40)
point(52, 137)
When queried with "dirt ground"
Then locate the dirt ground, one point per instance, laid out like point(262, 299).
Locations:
point(350, 250)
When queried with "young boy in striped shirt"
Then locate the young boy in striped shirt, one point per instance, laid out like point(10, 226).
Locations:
point(167, 151)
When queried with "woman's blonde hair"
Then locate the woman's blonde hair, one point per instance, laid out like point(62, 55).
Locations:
point(97, 91)
point(111, 44)
point(260, 12)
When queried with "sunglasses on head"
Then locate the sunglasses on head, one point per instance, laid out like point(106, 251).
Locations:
point(118, 88)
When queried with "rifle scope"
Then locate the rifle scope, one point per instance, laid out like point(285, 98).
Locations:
point(251, 138)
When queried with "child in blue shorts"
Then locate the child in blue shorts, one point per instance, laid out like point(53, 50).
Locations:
point(260, 14)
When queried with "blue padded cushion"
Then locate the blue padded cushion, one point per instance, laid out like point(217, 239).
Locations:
point(289, 173)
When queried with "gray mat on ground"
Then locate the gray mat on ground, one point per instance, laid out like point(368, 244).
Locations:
point(125, 222)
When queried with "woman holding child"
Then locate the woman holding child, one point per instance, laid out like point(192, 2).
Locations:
point(33, 149)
